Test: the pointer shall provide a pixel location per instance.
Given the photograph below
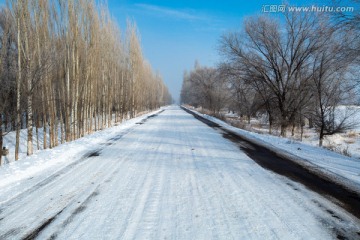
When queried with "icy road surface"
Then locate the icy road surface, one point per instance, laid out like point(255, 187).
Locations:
point(170, 177)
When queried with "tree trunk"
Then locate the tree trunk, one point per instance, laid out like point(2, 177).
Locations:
point(18, 80)
point(62, 126)
point(51, 126)
point(56, 130)
point(44, 121)
point(1, 138)
point(283, 130)
point(311, 123)
point(132, 112)
point(283, 125)
point(68, 98)
point(37, 132)
point(293, 129)
point(321, 136)
point(29, 119)
point(29, 110)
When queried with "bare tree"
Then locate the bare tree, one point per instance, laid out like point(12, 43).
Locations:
point(350, 22)
point(275, 55)
point(329, 70)
point(7, 74)
point(208, 87)
point(74, 70)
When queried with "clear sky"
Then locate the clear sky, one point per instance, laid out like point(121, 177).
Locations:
point(176, 33)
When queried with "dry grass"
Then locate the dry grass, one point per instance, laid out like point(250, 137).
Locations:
point(344, 151)
point(239, 124)
point(220, 116)
point(352, 134)
point(257, 125)
point(204, 111)
point(306, 135)
point(350, 141)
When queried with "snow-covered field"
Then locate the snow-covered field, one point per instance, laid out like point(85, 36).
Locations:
point(167, 177)
point(347, 143)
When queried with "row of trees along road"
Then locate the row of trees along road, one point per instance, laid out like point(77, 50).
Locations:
point(66, 68)
point(300, 66)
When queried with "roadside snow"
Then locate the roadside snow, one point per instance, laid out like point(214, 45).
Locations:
point(345, 170)
point(44, 163)
point(346, 143)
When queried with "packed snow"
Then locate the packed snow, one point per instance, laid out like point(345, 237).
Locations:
point(159, 177)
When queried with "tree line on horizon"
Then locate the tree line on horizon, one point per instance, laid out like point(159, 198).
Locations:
point(297, 67)
point(66, 67)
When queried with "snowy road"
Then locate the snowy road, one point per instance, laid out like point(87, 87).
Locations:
point(170, 177)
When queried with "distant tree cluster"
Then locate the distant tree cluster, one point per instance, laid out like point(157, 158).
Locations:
point(204, 87)
point(297, 68)
point(66, 68)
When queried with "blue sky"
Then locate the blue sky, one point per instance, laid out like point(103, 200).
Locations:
point(176, 33)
